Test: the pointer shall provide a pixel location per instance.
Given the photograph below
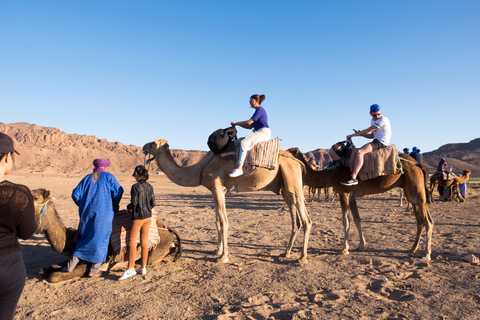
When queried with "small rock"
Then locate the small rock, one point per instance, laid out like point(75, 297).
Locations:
point(472, 259)
point(455, 251)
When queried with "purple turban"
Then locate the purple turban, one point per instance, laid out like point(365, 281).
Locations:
point(98, 163)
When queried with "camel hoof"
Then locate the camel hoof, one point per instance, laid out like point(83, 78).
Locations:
point(286, 255)
point(222, 260)
point(303, 260)
point(361, 249)
point(427, 257)
point(344, 252)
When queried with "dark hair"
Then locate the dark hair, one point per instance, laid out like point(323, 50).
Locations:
point(258, 97)
point(2, 155)
point(142, 173)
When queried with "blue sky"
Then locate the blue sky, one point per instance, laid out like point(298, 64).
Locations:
point(135, 71)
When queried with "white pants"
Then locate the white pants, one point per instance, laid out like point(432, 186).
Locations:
point(249, 141)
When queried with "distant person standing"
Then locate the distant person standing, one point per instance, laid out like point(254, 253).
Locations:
point(415, 154)
point(17, 220)
point(261, 131)
point(97, 196)
point(380, 131)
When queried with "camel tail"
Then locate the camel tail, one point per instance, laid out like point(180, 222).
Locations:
point(425, 180)
point(178, 249)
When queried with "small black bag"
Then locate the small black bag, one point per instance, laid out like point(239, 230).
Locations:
point(220, 139)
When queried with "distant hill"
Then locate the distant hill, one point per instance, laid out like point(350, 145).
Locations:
point(45, 149)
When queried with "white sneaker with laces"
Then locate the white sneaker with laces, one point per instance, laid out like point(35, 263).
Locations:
point(236, 173)
point(142, 271)
point(127, 274)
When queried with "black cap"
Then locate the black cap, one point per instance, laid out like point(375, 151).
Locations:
point(139, 170)
point(6, 144)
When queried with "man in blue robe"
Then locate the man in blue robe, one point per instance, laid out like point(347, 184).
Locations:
point(97, 196)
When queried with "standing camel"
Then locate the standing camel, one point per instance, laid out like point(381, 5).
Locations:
point(212, 172)
point(61, 239)
point(413, 181)
point(455, 182)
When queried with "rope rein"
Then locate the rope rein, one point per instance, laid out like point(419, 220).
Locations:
point(44, 208)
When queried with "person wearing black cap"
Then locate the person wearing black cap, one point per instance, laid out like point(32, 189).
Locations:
point(380, 131)
point(140, 206)
point(17, 220)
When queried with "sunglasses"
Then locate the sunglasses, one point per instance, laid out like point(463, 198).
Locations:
point(376, 114)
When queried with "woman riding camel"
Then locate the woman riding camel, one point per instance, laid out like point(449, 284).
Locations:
point(261, 131)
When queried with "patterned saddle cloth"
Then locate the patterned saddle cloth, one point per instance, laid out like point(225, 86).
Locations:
point(121, 228)
point(381, 162)
point(263, 154)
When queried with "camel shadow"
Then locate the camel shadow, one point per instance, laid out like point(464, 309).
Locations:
point(37, 254)
point(262, 253)
point(234, 201)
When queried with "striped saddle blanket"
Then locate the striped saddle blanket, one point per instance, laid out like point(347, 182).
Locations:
point(121, 227)
point(263, 155)
point(381, 162)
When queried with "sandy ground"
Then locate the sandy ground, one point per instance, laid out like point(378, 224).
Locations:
point(383, 283)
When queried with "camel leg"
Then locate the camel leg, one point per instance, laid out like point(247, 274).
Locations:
point(295, 224)
point(432, 187)
point(162, 249)
point(293, 190)
point(358, 222)
point(221, 223)
point(343, 197)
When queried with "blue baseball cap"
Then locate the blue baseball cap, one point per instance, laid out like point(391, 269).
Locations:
point(374, 107)
point(414, 149)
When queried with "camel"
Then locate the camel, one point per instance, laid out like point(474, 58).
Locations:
point(453, 183)
point(212, 172)
point(413, 181)
point(61, 240)
point(318, 191)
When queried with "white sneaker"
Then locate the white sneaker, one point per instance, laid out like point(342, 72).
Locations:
point(142, 271)
point(127, 274)
point(236, 173)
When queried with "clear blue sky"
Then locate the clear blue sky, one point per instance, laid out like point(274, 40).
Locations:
point(132, 71)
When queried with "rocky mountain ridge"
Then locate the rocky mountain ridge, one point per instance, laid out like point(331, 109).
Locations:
point(46, 149)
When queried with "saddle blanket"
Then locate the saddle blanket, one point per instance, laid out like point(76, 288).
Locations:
point(263, 155)
point(121, 228)
point(381, 162)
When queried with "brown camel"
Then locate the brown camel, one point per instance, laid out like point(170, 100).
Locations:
point(61, 238)
point(436, 179)
point(413, 181)
point(212, 172)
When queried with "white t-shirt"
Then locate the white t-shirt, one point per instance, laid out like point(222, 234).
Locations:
point(384, 131)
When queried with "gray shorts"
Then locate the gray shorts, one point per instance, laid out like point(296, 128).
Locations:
point(377, 145)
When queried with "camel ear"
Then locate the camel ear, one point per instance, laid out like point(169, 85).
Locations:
point(46, 193)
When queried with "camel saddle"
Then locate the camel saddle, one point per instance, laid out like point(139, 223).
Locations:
point(121, 229)
point(380, 162)
point(263, 154)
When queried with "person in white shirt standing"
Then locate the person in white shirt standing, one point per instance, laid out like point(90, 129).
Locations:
point(380, 131)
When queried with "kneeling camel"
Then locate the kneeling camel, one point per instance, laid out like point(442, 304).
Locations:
point(61, 239)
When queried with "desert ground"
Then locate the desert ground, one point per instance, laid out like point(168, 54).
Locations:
point(386, 282)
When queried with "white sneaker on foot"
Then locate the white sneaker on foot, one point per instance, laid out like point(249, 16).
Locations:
point(142, 271)
point(236, 173)
point(127, 274)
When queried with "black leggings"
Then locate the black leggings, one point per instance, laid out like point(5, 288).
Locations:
point(12, 281)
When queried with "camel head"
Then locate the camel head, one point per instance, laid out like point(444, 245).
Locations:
point(41, 197)
point(155, 147)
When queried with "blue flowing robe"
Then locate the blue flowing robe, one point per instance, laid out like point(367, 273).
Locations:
point(94, 197)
